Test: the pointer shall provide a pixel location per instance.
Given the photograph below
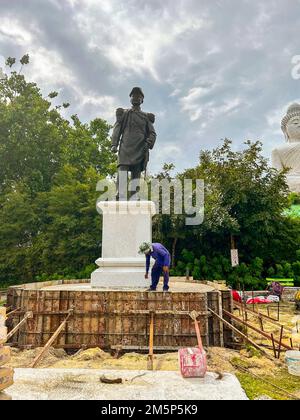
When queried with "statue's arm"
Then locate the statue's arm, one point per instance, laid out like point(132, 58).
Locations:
point(151, 131)
point(116, 134)
point(276, 161)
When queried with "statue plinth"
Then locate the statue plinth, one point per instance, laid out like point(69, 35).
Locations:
point(126, 224)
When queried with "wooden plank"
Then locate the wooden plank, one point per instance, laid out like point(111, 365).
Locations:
point(93, 321)
point(146, 348)
point(47, 299)
point(151, 342)
point(86, 320)
point(227, 304)
point(6, 378)
point(214, 324)
point(17, 327)
point(50, 342)
point(252, 327)
point(114, 318)
point(9, 314)
point(242, 335)
point(37, 323)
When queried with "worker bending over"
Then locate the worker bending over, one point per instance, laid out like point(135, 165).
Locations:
point(162, 263)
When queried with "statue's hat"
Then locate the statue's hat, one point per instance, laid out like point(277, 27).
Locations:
point(137, 90)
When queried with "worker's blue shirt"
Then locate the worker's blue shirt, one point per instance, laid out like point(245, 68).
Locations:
point(160, 254)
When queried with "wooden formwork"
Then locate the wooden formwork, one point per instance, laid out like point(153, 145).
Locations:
point(115, 319)
point(227, 304)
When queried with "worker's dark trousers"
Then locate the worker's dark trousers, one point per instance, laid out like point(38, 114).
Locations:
point(122, 182)
point(155, 275)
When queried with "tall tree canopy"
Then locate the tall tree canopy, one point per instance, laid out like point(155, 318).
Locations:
point(48, 175)
point(245, 205)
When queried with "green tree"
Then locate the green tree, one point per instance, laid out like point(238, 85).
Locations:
point(48, 175)
point(244, 198)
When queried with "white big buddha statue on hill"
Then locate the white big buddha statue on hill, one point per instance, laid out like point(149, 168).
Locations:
point(288, 155)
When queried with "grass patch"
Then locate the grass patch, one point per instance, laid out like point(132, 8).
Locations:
point(255, 387)
point(294, 211)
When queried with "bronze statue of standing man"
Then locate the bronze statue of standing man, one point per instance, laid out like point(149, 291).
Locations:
point(132, 138)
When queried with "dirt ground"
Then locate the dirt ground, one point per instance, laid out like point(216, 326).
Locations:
point(220, 361)
point(244, 363)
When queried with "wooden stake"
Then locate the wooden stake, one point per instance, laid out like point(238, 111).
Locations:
point(280, 342)
point(194, 315)
point(151, 341)
point(267, 319)
point(274, 348)
point(261, 323)
point(28, 315)
point(51, 341)
point(241, 334)
point(263, 333)
point(12, 312)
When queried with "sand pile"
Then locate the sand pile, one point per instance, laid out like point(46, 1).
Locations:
point(26, 357)
point(91, 354)
point(219, 360)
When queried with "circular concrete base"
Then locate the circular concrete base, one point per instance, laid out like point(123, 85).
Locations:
point(175, 287)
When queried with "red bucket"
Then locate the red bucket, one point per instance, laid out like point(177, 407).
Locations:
point(192, 362)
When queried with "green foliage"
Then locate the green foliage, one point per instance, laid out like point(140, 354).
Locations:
point(49, 169)
point(25, 59)
point(10, 61)
point(294, 199)
point(246, 200)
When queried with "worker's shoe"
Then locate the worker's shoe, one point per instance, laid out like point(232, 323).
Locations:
point(166, 290)
point(150, 290)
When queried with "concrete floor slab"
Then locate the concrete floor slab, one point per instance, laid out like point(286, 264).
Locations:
point(84, 384)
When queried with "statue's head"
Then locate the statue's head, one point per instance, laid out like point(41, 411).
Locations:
point(291, 124)
point(137, 96)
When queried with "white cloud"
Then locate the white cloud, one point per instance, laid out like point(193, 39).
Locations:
point(135, 42)
point(191, 102)
point(103, 105)
point(49, 69)
point(207, 72)
point(13, 29)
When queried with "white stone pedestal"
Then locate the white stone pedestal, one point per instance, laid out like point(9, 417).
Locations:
point(126, 224)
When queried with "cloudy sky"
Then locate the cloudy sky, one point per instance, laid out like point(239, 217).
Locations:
point(209, 69)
